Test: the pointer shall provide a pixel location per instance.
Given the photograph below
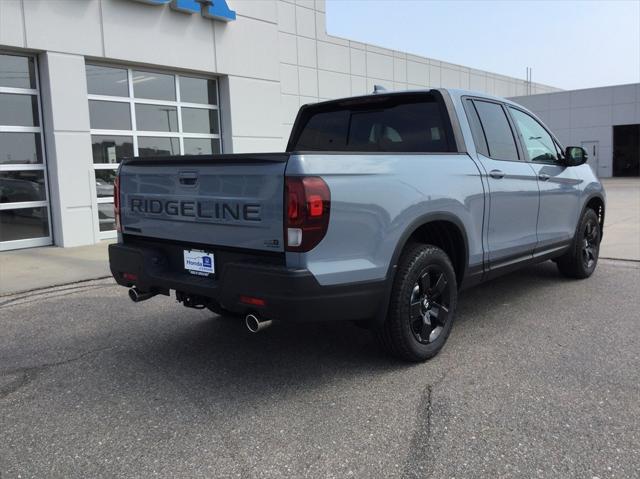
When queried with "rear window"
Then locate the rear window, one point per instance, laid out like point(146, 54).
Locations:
point(390, 123)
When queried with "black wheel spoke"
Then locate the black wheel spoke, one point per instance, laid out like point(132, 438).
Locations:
point(425, 331)
point(441, 284)
point(439, 312)
point(416, 310)
point(425, 283)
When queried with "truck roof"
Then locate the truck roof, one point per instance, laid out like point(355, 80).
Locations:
point(453, 92)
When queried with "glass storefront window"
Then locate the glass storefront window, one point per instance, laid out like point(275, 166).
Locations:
point(20, 148)
point(18, 110)
point(196, 120)
point(24, 223)
point(201, 146)
point(158, 146)
point(22, 186)
point(111, 149)
point(156, 118)
point(107, 81)
point(109, 115)
point(106, 217)
point(154, 86)
point(147, 114)
point(24, 205)
point(104, 183)
point(198, 90)
point(17, 72)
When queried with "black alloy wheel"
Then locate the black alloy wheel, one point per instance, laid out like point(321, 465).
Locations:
point(429, 304)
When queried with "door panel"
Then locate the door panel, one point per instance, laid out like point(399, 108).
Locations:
point(559, 205)
point(513, 210)
point(512, 183)
point(559, 186)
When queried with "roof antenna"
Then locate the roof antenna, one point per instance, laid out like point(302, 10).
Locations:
point(377, 89)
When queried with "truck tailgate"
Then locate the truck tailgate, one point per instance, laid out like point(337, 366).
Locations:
point(225, 200)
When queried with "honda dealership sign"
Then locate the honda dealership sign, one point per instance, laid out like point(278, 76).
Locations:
point(213, 9)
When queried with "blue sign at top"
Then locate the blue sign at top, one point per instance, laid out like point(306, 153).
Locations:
point(213, 9)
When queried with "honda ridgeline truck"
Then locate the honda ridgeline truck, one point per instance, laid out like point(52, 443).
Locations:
point(381, 210)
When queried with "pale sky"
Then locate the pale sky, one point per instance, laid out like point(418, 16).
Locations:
point(569, 44)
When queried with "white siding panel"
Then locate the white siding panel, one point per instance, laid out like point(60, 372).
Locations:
point(11, 24)
point(379, 66)
point(66, 25)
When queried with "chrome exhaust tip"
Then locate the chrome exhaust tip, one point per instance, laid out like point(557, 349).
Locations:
point(256, 324)
point(136, 295)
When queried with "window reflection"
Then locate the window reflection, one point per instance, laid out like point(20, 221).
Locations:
point(19, 186)
point(198, 90)
point(104, 183)
point(201, 146)
point(20, 148)
point(109, 115)
point(18, 110)
point(107, 81)
point(23, 223)
point(111, 149)
point(154, 146)
point(156, 86)
point(156, 118)
point(196, 120)
point(17, 72)
point(106, 217)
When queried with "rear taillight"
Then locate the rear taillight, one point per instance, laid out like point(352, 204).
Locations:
point(116, 202)
point(308, 201)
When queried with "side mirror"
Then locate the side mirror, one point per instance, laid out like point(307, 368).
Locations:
point(575, 156)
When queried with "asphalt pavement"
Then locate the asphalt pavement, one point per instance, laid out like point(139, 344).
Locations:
point(540, 378)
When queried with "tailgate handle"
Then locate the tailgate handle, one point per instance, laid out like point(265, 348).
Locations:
point(188, 178)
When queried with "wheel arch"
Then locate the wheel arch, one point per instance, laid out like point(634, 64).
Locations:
point(441, 229)
point(595, 202)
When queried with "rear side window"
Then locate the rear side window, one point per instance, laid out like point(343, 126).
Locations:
point(497, 131)
point(393, 123)
point(476, 128)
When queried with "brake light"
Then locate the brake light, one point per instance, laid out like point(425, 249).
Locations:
point(116, 201)
point(308, 201)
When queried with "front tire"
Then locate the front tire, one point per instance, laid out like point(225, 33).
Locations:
point(582, 258)
point(422, 306)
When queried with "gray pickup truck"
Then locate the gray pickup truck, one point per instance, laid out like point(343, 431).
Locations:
point(380, 211)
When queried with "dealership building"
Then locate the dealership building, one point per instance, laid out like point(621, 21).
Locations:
point(84, 84)
point(604, 121)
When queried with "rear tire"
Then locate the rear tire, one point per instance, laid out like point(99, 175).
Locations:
point(582, 258)
point(422, 305)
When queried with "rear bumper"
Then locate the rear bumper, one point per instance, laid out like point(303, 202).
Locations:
point(288, 294)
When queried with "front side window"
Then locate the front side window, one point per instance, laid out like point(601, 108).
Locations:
point(497, 131)
point(537, 141)
point(143, 113)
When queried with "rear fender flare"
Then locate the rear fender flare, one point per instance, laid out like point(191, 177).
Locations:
point(402, 243)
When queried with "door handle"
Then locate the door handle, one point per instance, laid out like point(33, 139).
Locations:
point(543, 177)
point(497, 174)
point(188, 178)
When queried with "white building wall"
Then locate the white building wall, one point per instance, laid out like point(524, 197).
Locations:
point(273, 58)
point(315, 66)
point(587, 115)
